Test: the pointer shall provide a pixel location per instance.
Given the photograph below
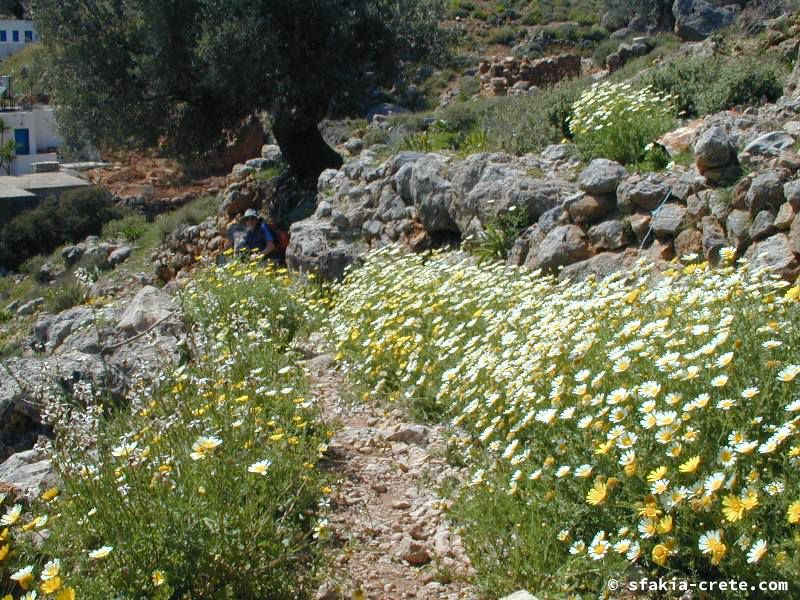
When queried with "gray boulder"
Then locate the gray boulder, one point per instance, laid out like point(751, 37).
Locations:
point(714, 150)
point(30, 307)
point(738, 225)
point(564, 245)
point(272, 154)
point(485, 185)
point(119, 255)
point(381, 111)
point(786, 215)
point(432, 194)
point(766, 191)
point(695, 20)
point(29, 472)
point(50, 330)
point(26, 382)
point(552, 218)
point(776, 254)
point(602, 176)
point(770, 144)
point(608, 235)
point(589, 208)
point(763, 226)
point(669, 220)
point(525, 246)
point(315, 246)
point(688, 241)
point(148, 307)
point(714, 239)
point(601, 265)
point(645, 192)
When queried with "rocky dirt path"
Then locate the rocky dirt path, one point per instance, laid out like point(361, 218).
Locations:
point(391, 536)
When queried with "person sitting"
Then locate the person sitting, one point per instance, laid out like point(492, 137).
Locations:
point(258, 236)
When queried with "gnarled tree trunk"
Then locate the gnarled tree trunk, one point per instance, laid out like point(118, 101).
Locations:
point(304, 149)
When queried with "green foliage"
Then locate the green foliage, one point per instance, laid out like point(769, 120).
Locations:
point(269, 173)
point(173, 486)
point(181, 74)
point(129, 228)
point(706, 85)
point(56, 221)
point(503, 35)
point(468, 87)
point(28, 69)
point(621, 123)
point(193, 213)
point(596, 448)
point(65, 294)
point(499, 235)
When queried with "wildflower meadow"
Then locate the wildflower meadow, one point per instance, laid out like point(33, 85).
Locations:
point(206, 485)
point(648, 421)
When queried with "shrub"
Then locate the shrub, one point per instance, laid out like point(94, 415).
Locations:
point(615, 121)
point(207, 487)
point(604, 422)
point(504, 36)
point(468, 87)
point(193, 213)
point(705, 85)
point(65, 294)
point(499, 235)
point(129, 228)
point(67, 219)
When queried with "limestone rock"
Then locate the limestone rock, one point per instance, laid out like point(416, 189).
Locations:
point(591, 208)
point(714, 239)
point(713, 152)
point(695, 20)
point(602, 176)
point(786, 215)
point(608, 235)
point(412, 552)
point(770, 144)
point(738, 225)
point(149, 306)
point(688, 241)
point(562, 246)
point(776, 254)
point(28, 472)
point(766, 191)
point(763, 226)
point(644, 192)
point(669, 220)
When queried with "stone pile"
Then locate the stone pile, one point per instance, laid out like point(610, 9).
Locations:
point(602, 222)
point(149, 206)
point(513, 76)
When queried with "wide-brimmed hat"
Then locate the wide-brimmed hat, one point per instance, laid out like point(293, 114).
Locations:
point(248, 214)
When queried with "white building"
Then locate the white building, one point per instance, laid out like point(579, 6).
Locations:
point(35, 135)
point(15, 34)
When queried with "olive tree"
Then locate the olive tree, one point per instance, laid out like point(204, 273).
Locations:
point(180, 75)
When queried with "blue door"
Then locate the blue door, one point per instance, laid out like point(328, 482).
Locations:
point(22, 138)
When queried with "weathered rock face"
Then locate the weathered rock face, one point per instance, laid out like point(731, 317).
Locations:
point(715, 153)
point(695, 20)
point(776, 254)
point(511, 75)
point(100, 347)
point(421, 200)
point(602, 176)
point(562, 246)
point(29, 473)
